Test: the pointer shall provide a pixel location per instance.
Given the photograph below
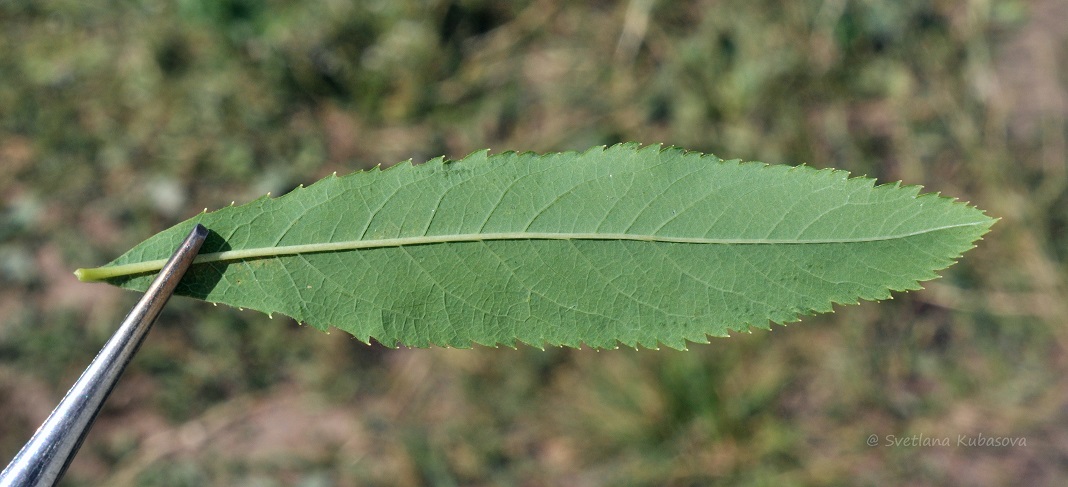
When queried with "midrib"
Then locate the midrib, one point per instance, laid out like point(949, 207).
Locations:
point(100, 273)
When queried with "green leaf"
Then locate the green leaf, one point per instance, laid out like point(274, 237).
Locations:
point(639, 246)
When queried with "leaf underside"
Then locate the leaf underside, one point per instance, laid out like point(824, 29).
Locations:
point(619, 245)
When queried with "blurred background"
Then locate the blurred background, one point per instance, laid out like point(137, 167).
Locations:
point(120, 119)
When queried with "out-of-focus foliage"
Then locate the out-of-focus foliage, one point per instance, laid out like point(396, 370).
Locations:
point(119, 119)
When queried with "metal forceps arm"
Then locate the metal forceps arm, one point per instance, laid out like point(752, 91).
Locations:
point(42, 461)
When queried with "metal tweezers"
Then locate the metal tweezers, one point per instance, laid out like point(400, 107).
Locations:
point(42, 461)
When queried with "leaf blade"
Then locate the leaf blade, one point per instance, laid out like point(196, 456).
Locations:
point(628, 245)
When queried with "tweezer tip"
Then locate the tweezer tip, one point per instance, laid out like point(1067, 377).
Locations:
point(200, 230)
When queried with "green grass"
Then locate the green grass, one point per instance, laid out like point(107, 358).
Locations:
point(117, 121)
